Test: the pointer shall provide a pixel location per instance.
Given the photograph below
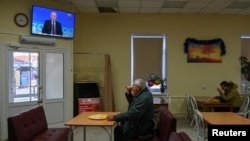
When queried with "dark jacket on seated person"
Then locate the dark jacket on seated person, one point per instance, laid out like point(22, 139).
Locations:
point(138, 120)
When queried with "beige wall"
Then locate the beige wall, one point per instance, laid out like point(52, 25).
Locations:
point(110, 33)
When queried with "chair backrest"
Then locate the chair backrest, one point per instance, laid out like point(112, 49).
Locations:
point(193, 103)
point(189, 109)
point(189, 106)
point(247, 114)
point(244, 105)
point(167, 123)
point(27, 124)
point(200, 124)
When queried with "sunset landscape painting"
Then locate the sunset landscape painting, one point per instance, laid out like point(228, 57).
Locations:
point(204, 53)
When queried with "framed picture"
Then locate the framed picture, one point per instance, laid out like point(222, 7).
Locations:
point(204, 51)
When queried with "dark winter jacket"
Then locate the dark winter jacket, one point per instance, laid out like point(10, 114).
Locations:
point(138, 120)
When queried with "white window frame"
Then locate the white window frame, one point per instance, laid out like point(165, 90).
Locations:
point(164, 57)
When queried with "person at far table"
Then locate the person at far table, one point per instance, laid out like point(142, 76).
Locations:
point(228, 93)
point(137, 121)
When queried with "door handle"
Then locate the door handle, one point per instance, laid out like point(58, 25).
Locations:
point(39, 94)
point(35, 91)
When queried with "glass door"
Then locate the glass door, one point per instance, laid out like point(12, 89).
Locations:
point(37, 77)
point(33, 75)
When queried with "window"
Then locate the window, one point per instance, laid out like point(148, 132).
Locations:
point(148, 56)
point(245, 50)
point(23, 76)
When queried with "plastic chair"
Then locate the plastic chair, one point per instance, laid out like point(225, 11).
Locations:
point(201, 129)
point(247, 114)
point(194, 108)
point(244, 106)
point(189, 109)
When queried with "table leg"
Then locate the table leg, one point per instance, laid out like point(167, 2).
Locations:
point(206, 108)
point(70, 135)
point(109, 134)
point(203, 108)
point(84, 133)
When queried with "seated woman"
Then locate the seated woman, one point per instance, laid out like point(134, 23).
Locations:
point(229, 93)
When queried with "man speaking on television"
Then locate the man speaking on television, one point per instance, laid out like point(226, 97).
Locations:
point(52, 26)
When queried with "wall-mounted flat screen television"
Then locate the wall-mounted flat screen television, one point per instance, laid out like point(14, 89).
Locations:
point(52, 22)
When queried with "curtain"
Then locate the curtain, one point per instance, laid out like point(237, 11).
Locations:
point(108, 99)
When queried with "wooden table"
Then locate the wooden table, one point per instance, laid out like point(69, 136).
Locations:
point(224, 118)
point(226, 122)
point(82, 120)
point(206, 105)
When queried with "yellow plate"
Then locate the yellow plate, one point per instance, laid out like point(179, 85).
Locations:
point(98, 116)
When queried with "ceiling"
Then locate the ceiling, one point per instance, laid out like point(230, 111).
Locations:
point(241, 7)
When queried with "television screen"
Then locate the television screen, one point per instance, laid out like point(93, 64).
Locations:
point(52, 22)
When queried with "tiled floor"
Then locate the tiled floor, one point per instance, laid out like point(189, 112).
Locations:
point(100, 134)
